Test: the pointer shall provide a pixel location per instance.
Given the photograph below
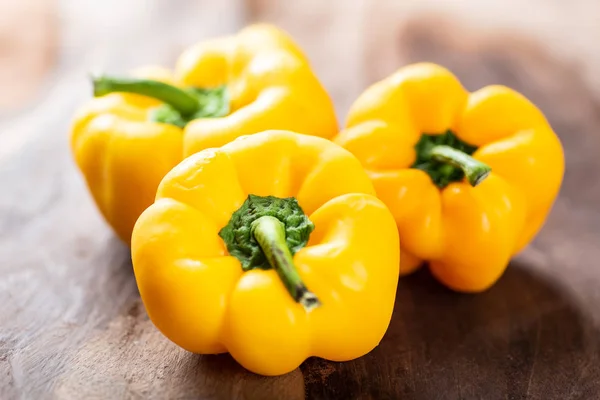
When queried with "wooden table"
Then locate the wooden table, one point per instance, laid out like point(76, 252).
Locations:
point(71, 322)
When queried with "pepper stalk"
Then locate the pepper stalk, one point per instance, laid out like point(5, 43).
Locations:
point(448, 159)
point(475, 171)
point(265, 232)
point(269, 232)
point(181, 105)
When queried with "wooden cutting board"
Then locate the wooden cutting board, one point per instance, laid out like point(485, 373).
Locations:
point(71, 322)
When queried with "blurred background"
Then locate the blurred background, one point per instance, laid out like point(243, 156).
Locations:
point(47, 47)
point(66, 286)
point(351, 42)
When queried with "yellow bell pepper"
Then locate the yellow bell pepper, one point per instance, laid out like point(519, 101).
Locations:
point(136, 129)
point(226, 259)
point(419, 133)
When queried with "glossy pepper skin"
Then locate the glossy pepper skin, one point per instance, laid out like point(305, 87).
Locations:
point(196, 291)
point(466, 233)
point(124, 140)
point(270, 85)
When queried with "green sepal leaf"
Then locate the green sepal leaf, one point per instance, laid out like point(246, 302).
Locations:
point(238, 237)
point(214, 103)
point(441, 173)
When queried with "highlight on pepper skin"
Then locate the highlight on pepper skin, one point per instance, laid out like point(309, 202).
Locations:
point(138, 127)
point(469, 177)
point(272, 248)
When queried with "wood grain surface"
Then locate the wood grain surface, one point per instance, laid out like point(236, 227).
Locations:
point(71, 322)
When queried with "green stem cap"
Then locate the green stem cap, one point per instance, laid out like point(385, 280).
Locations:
point(446, 159)
point(182, 101)
point(265, 232)
point(475, 171)
point(269, 232)
point(180, 105)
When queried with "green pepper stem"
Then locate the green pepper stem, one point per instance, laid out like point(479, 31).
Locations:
point(474, 170)
point(177, 98)
point(269, 232)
